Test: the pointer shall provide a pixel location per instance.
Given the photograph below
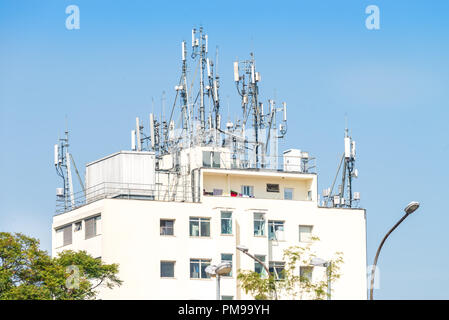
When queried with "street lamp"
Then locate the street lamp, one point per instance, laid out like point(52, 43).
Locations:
point(245, 250)
point(318, 262)
point(217, 271)
point(409, 209)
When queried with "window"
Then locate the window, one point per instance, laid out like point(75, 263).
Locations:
point(226, 222)
point(305, 274)
point(309, 195)
point(272, 187)
point(93, 227)
point(305, 233)
point(211, 159)
point(206, 159)
point(199, 227)
point(64, 236)
point(288, 193)
point(227, 257)
point(167, 227)
point(198, 268)
point(248, 191)
point(275, 230)
point(167, 269)
point(227, 297)
point(258, 267)
point(78, 226)
point(259, 224)
point(277, 269)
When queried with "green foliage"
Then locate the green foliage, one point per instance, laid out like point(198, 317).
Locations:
point(292, 285)
point(28, 273)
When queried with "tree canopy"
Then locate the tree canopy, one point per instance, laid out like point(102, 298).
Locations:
point(290, 283)
point(28, 273)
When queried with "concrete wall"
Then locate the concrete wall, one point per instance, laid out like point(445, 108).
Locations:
point(131, 237)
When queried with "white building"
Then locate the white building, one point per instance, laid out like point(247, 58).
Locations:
point(163, 246)
point(200, 190)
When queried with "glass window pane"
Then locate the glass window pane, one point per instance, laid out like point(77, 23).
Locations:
point(216, 159)
point(206, 159)
point(194, 269)
point(259, 224)
point(167, 269)
point(226, 222)
point(305, 233)
point(204, 265)
point(194, 228)
point(227, 257)
point(288, 194)
point(258, 267)
point(305, 273)
point(205, 228)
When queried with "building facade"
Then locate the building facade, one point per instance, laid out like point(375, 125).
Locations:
point(163, 237)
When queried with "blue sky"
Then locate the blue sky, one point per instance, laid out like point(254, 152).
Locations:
point(317, 56)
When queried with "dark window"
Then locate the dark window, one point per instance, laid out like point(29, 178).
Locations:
point(258, 267)
point(226, 222)
point(275, 230)
point(167, 269)
point(91, 225)
point(199, 227)
point(272, 187)
point(305, 274)
point(227, 257)
point(67, 235)
point(78, 226)
point(198, 268)
point(277, 269)
point(167, 227)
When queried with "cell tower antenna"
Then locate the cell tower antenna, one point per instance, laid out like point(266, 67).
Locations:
point(344, 197)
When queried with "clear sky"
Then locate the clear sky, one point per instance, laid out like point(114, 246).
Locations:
point(318, 56)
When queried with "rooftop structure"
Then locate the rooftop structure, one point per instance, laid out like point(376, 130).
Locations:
point(189, 192)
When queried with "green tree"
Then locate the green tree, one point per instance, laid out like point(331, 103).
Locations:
point(27, 272)
point(290, 284)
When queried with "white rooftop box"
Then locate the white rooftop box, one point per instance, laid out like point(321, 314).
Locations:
point(123, 170)
point(293, 160)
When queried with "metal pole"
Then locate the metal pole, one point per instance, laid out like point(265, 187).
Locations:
point(329, 270)
point(378, 252)
point(266, 269)
point(218, 287)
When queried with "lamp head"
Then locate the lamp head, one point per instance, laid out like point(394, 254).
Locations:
point(411, 207)
point(244, 249)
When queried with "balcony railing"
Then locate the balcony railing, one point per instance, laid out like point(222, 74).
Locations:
point(114, 190)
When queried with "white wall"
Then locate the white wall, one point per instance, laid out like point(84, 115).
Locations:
point(131, 237)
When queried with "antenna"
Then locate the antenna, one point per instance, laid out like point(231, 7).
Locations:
point(56, 155)
point(139, 142)
point(236, 71)
point(152, 131)
point(284, 104)
point(183, 48)
point(133, 140)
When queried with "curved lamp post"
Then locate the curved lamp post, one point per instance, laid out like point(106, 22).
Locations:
point(245, 250)
point(409, 209)
point(218, 271)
